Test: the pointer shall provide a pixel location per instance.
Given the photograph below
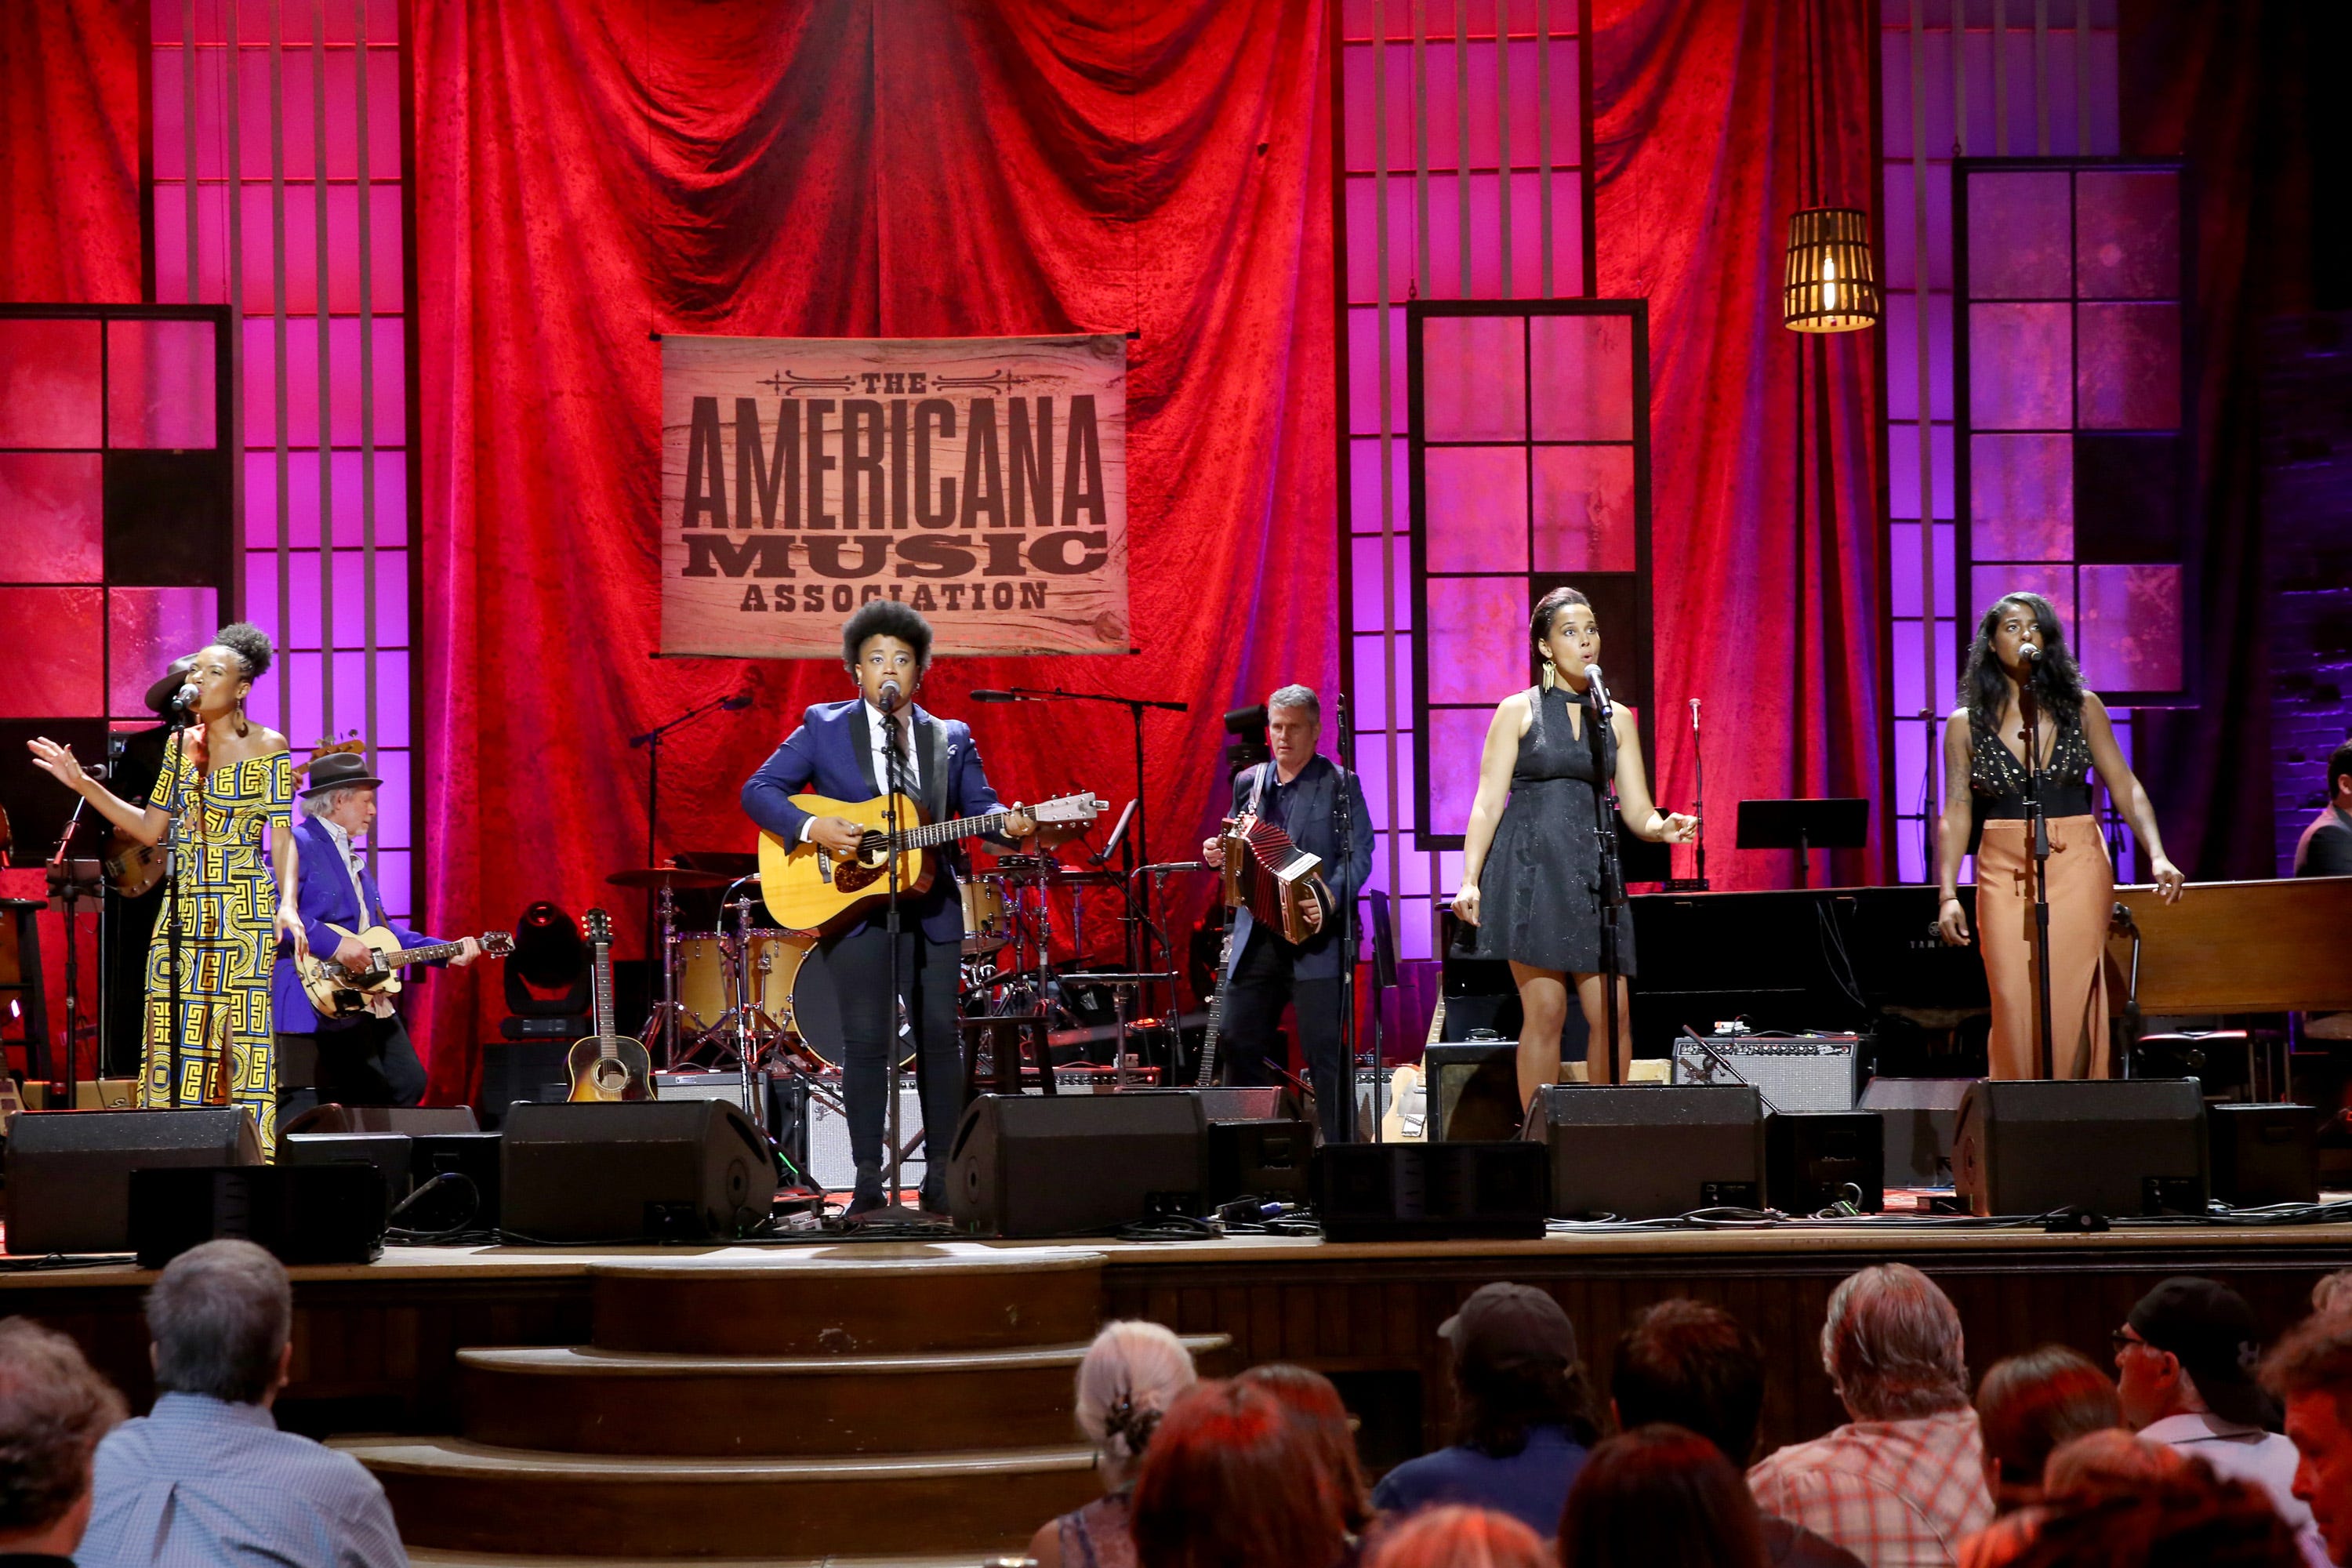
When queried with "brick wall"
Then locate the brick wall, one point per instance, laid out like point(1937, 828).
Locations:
point(2308, 528)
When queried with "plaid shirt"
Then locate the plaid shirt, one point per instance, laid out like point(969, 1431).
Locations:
point(1896, 1494)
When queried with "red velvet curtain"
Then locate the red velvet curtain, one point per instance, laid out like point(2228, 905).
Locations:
point(588, 176)
point(71, 106)
point(1769, 602)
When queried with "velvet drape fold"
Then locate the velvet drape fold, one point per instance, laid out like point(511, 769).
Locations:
point(589, 176)
point(70, 113)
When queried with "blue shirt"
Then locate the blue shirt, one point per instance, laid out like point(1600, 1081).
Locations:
point(1531, 1486)
point(200, 1483)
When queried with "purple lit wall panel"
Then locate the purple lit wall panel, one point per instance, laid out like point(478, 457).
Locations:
point(1477, 509)
point(1903, 357)
point(1363, 126)
point(159, 385)
point(254, 96)
point(1910, 692)
point(1902, 568)
point(2020, 367)
point(49, 384)
point(1364, 486)
point(304, 723)
point(1457, 736)
point(2128, 375)
point(391, 879)
point(302, 381)
point(1585, 519)
point(350, 584)
point(2021, 497)
point(1365, 572)
point(347, 469)
point(2127, 233)
point(52, 517)
point(1910, 768)
point(1363, 259)
point(1486, 281)
point(1902, 231)
point(1438, 17)
point(1373, 709)
point(67, 626)
point(1903, 470)
point(392, 727)
point(2021, 236)
point(2131, 635)
point(1986, 585)
point(1364, 389)
point(393, 813)
point(1476, 632)
point(1581, 377)
point(253, 22)
point(1474, 379)
point(147, 628)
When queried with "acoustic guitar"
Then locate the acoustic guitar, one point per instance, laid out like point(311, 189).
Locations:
point(336, 992)
point(810, 888)
point(605, 1065)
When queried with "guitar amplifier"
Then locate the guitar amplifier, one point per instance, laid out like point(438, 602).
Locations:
point(1792, 1072)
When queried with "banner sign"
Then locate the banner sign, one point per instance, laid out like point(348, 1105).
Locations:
point(982, 480)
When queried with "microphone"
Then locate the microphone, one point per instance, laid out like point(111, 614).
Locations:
point(2030, 653)
point(995, 697)
point(186, 698)
point(1599, 692)
point(890, 696)
point(737, 703)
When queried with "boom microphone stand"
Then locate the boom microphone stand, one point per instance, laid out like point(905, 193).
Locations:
point(1612, 875)
point(2046, 1056)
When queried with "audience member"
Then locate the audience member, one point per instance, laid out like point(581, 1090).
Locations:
point(2185, 1362)
point(2311, 1369)
point(1660, 1496)
point(1457, 1537)
point(1904, 1481)
point(2079, 1469)
point(2333, 1293)
point(1231, 1480)
point(1687, 1363)
point(1524, 1418)
point(206, 1477)
point(2031, 1404)
point(1131, 1374)
point(53, 1411)
point(2188, 1519)
point(2326, 847)
point(1311, 1400)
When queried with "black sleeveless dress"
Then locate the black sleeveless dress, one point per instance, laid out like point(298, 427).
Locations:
point(1540, 890)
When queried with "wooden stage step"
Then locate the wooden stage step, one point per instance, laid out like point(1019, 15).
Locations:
point(451, 1495)
point(585, 1399)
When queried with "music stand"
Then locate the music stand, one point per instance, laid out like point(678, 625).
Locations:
point(1839, 823)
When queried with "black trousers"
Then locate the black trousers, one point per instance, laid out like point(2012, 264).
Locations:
point(370, 1062)
point(927, 975)
point(1263, 982)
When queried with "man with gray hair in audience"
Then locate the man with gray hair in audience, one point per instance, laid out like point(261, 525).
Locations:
point(53, 1411)
point(207, 1477)
point(1903, 1483)
point(1299, 793)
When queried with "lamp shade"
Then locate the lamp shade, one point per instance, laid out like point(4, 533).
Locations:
point(1831, 284)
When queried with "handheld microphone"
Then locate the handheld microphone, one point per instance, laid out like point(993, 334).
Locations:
point(991, 697)
point(737, 703)
point(890, 696)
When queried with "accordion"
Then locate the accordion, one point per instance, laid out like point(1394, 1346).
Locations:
point(1271, 876)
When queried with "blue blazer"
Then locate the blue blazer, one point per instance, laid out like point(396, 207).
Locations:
point(1314, 827)
point(323, 893)
point(832, 753)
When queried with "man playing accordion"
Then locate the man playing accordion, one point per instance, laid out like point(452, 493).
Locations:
point(1297, 791)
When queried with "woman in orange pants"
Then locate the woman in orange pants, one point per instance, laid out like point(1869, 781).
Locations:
point(2020, 646)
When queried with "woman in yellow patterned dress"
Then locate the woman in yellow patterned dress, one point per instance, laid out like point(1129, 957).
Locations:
point(232, 784)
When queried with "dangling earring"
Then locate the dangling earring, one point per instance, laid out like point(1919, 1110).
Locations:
point(1551, 674)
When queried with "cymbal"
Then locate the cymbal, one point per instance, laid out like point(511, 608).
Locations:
point(674, 878)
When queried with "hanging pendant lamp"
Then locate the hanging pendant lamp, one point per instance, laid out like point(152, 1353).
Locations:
point(1832, 283)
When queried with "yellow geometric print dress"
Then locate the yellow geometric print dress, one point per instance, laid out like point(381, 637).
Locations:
point(227, 902)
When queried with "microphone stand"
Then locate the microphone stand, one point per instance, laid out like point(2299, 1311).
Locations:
point(896, 1212)
point(1612, 879)
point(651, 741)
point(65, 881)
point(172, 934)
point(1696, 884)
point(2046, 1056)
point(1346, 1121)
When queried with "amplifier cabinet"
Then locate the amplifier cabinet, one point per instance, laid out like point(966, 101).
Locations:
point(1794, 1073)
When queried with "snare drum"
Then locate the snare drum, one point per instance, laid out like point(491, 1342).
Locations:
point(705, 991)
point(986, 926)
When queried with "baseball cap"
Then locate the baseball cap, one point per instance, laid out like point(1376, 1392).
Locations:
point(2212, 1330)
point(1506, 1325)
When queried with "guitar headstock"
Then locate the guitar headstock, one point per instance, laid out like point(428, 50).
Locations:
point(1069, 808)
point(600, 927)
point(499, 943)
point(354, 745)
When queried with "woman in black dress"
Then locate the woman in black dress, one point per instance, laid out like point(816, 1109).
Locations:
point(1531, 869)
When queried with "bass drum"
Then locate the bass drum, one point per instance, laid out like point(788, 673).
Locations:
point(816, 1015)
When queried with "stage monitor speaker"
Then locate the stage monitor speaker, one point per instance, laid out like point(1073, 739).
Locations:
point(1268, 1159)
point(302, 1213)
point(1067, 1165)
point(1815, 1159)
point(1431, 1192)
point(454, 1181)
point(392, 1153)
point(2114, 1146)
point(531, 1071)
point(1651, 1150)
point(2264, 1153)
point(633, 1170)
point(1247, 1102)
point(70, 1170)
point(1474, 1088)
point(1918, 1113)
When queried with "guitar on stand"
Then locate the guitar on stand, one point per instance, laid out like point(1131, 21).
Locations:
point(1229, 884)
point(607, 1065)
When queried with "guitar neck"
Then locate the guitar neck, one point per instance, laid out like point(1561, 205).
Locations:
point(1208, 1069)
point(606, 1045)
point(933, 833)
point(432, 954)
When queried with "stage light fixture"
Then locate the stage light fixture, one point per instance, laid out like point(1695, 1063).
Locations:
point(1831, 282)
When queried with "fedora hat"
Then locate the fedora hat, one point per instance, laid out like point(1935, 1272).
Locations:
point(337, 770)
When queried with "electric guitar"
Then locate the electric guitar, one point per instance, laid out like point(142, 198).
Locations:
point(605, 1065)
point(807, 888)
point(132, 868)
point(336, 992)
point(1207, 1075)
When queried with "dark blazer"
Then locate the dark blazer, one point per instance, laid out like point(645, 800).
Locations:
point(2326, 849)
point(322, 892)
point(832, 753)
point(1314, 827)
